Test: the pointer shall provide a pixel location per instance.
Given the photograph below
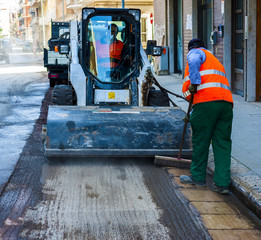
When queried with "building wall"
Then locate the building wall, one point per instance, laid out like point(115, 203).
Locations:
point(59, 9)
point(4, 20)
point(190, 13)
point(227, 59)
point(63, 11)
point(170, 33)
point(146, 7)
point(160, 25)
point(27, 20)
point(258, 53)
point(164, 15)
point(249, 48)
point(187, 28)
point(190, 28)
point(250, 52)
point(218, 20)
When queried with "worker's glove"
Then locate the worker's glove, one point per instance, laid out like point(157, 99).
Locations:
point(192, 88)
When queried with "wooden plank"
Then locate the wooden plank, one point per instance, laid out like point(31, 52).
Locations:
point(205, 195)
point(213, 208)
point(226, 222)
point(235, 234)
point(177, 172)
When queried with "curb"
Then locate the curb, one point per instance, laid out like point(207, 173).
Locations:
point(245, 184)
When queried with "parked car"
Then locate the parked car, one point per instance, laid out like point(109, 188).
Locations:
point(7, 44)
point(3, 53)
point(28, 46)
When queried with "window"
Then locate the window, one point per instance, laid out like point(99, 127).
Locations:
point(143, 30)
point(110, 48)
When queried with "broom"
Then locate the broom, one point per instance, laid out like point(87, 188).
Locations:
point(172, 161)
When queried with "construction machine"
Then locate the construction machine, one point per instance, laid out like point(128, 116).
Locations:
point(110, 106)
point(56, 63)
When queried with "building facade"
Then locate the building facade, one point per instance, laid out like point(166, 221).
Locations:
point(146, 7)
point(24, 17)
point(229, 28)
point(9, 24)
point(45, 11)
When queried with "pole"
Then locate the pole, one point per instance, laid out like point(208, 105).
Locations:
point(63, 9)
point(43, 23)
point(122, 3)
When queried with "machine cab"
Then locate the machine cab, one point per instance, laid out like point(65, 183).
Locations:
point(111, 46)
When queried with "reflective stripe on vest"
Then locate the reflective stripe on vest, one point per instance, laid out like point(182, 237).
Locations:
point(207, 85)
point(207, 72)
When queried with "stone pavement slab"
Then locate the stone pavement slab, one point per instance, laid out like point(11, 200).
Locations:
point(223, 215)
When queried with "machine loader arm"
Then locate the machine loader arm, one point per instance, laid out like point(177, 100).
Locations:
point(77, 76)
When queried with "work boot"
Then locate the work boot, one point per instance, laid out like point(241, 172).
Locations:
point(222, 190)
point(191, 180)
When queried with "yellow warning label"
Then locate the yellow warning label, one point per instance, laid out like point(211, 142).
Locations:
point(111, 95)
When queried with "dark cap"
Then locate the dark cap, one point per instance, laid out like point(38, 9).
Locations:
point(195, 43)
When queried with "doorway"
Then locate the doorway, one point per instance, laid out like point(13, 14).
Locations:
point(178, 35)
point(238, 47)
point(205, 21)
point(258, 53)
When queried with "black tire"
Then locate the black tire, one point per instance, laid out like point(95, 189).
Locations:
point(62, 95)
point(158, 98)
point(52, 82)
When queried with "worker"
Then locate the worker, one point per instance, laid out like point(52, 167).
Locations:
point(211, 116)
point(109, 50)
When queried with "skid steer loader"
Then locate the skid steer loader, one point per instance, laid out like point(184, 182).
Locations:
point(106, 110)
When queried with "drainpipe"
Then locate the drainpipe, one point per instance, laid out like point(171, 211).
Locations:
point(122, 3)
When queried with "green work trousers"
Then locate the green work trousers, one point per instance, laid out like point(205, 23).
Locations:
point(212, 121)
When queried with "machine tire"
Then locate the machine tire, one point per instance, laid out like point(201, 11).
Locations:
point(158, 98)
point(52, 82)
point(62, 95)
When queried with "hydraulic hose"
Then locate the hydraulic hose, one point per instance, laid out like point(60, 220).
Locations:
point(164, 90)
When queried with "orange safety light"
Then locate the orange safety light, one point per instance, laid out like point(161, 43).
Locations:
point(56, 49)
point(164, 51)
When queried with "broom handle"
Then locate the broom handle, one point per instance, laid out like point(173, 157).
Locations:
point(185, 126)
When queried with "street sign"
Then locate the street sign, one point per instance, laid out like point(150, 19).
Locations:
point(151, 18)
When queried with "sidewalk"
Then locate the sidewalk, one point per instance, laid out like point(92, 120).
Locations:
point(246, 144)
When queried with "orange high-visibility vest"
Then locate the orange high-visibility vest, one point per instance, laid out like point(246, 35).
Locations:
point(110, 51)
point(214, 84)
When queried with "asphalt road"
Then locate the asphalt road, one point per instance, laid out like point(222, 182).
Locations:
point(95, 198)
point(22, 87)
point(78, 198)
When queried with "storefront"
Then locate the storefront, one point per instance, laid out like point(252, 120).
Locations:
point(230, 30)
